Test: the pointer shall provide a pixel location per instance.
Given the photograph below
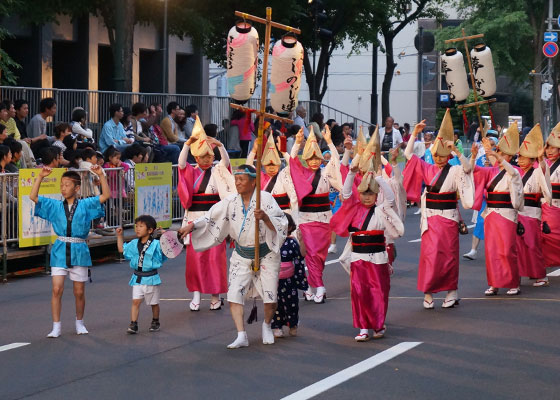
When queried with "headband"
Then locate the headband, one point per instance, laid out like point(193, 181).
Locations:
point(246, 172)
point(326, 152)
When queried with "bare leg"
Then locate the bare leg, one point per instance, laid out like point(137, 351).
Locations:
point(269, 310)
point(237, 315)
point(80, 296)
point(57, 290)
point(333, 238)
point(475, 242)
point(135, 310)
point(155, 311)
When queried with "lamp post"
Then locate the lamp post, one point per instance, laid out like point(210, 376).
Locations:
point(165, 48)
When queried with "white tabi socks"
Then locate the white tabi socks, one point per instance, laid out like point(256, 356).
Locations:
point(451, 300)
point(57, 328)
point(80, 327)
point(428, 301)
point(241, 341)
point(320, 295)
point(267, 334)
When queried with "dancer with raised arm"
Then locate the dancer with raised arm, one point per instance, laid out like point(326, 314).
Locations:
point(438, 269)
point(199, 188)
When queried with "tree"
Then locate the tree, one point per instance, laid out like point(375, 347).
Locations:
point(7, 64)
point(513, 29)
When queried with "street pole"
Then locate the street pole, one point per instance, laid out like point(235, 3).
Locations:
point(373, 111)
point(551, 102)
point(420, 73)
point(165, 48)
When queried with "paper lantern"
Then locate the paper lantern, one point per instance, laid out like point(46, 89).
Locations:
point(453, 65)
point(242, 59)
point(285, 74)
point(483, 68)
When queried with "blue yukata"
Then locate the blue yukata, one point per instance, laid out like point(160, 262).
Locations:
point(153, 260)
point(86, 211)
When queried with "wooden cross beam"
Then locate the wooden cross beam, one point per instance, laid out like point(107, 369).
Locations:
point(476, 103)
point(262, 112)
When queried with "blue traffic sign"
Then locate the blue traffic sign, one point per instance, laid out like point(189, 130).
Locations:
point(558, 20)
point(551, 36)
point(550, 49)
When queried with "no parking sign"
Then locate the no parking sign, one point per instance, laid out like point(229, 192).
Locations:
point(550, 49)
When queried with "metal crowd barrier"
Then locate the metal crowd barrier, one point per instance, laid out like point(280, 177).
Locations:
point(212, 109)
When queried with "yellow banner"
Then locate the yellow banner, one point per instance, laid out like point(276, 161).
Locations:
point(152, 192)
point(236, 162)
point(35, 231)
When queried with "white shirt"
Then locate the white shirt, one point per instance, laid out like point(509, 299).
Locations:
point(538, 182)
point(397, 138)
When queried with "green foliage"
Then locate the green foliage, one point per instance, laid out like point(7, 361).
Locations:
point(457, 114)
point(509, 28)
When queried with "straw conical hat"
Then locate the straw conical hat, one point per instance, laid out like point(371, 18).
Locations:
point(270, 152)
point(554, 137)
point(201, 147)
point(311, 146)
point(368, 181)
point(509, 143)
point(361, 141)
point(372, 153)
point(533, 143)
point(445, 133)
point(485, 128)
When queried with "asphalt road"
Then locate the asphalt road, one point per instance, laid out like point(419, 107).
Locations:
point(498, 348)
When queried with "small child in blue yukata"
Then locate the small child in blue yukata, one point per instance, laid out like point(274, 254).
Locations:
point(146, 258)
point(71, 220)
point(290, 279)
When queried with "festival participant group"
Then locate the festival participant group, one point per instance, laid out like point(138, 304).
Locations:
point(518, 205)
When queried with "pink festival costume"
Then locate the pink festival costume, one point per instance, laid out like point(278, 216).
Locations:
point(536, 185)
point(438, 269)
point(312, 189)
point(504, 194)
point(551, 215)
point(206, 271)
point(370, 281)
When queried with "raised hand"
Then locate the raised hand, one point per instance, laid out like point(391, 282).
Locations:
point(45, 171)
point(393, 154)
point(348, 143)
point(419, 128)
point(327, 134)
point(299, 136)
point(119, 231)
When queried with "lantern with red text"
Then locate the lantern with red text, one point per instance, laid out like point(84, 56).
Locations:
point(242, 59)
point(285, 75)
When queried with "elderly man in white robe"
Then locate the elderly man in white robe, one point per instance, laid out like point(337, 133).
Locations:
point(235, 216)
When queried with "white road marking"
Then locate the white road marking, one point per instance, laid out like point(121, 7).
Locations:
point(554, 273)
point(351, 372)
point(415, 240)
point(12, 346)
point(471, 226)
point(332, 261)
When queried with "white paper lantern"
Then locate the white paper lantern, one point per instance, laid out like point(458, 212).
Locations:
point(453, 65)
point(483, 68)
point(242, 53)
point(285, 74)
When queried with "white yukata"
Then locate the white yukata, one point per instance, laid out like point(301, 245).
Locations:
point(229, 217)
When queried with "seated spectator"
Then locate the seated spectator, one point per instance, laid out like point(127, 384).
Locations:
point(168, 125)
point(50, 157)
point(113, 133)
point(113, 160)
point(37, 127)
point(190, 113)
point(154, 114)
point(61, 131)
point(15, 149)
point(3, 134)
point(127, 124)
point(135, 154)
point(90, 181)
point(78, 124)
point(7, 114)
point(5, 158)
point(331, 123)
point(181, 122)
point(22, 111)
point(74, 158)
point(140, 128)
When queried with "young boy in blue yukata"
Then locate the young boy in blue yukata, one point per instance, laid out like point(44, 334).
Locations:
point(71, 220)
point(146, 258)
